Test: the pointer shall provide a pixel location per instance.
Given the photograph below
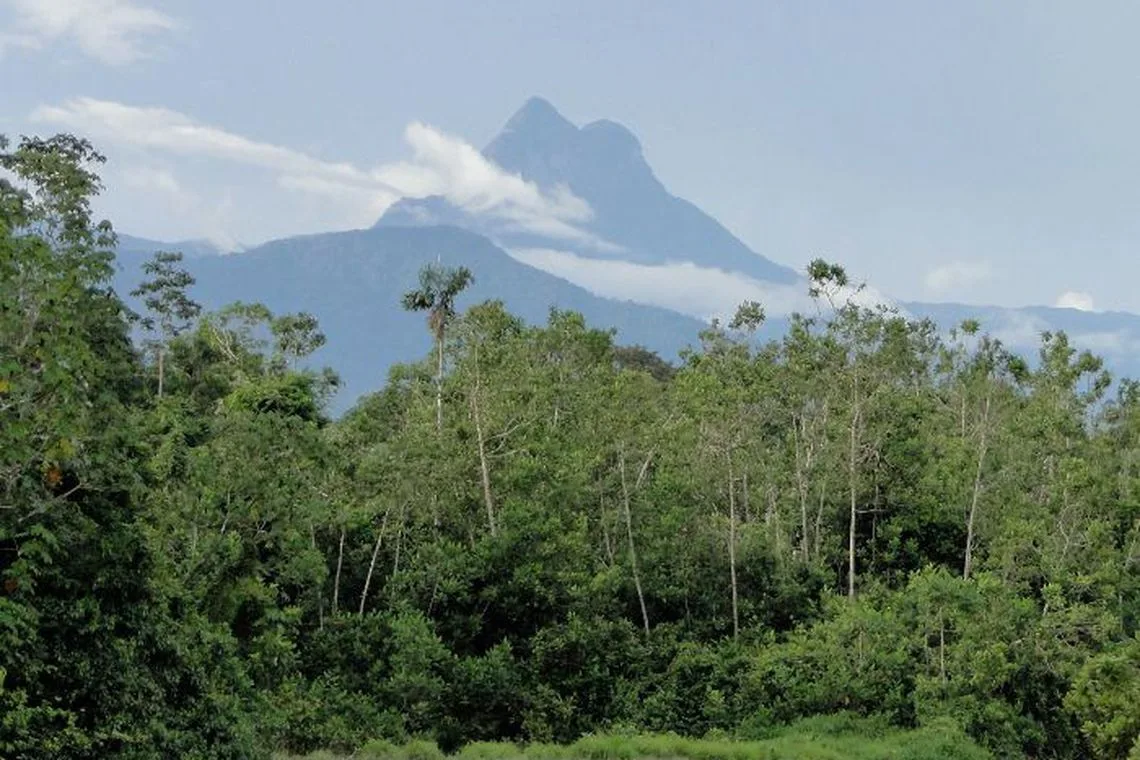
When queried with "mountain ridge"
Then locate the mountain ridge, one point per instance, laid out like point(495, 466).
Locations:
point(352, 282)
point(603, 163)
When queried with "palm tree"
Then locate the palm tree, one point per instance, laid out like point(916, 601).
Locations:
point(439, 287)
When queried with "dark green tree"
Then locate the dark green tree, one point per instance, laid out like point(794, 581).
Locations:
point(171, 310)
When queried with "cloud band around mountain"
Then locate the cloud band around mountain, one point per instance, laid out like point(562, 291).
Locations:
point(441, 165)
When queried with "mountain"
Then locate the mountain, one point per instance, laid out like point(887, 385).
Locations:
point(352, 282)
point(603, 164)
point(191, 249)
point(1113, 335)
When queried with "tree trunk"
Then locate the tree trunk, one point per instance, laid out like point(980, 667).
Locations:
point(817, 547)
point(484, 467)
point(851, 465)
point(629, 538)
point(801, 488)
point(336, 578)
point(372, 564)
point(439, 382)
point(941, 647)
point(609, 547)
point(399, 544)
point(320, 590)
point(732, 548)
point(744, 502)
point(161, 367)
point(968, 561)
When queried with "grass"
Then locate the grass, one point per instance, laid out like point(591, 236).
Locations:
point(811, 740)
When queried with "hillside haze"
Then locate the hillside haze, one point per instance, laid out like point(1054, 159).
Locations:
point(353, 281)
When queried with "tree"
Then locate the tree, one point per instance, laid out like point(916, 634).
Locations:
point(98, 659)
point(610, 541)
point(808, 394)
point(980, 384)
point(296, 336)
point(489, 348)
point(1106, 700)
point(439, 287)
point(171, 309)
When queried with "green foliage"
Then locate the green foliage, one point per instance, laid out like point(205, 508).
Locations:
point(436, 294)
point(1106, 700)
point(864, 539)
point(805, 741)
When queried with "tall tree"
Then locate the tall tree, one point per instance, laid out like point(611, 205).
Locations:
point(295, 336)
point(436, 295)
point(980, 384)
point(172, 311)
point(851, 325)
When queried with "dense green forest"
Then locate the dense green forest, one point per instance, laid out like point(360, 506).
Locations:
point(536, 533)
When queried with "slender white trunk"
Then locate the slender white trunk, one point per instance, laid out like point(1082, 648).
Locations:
point(744, 502)
point(629, 538)
point(484, 467)
point(372, 564)
point(320, 591)
point(732, 548)
point(941, 647)
point(605, 530)
point(399, 543)
point(439, 382)
point(336, 578)
point(968, 562)
point(852, 463)
point(161, 367)
point(801, 488)
point(817, 547)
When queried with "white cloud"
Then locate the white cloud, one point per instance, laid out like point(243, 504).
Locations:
point(171, 131)
point(957, 274)
point(447, 166)
point(150, 178)
point(701, 292)
point(1074, 299)
point(359, 205)
point(107, 30)
point(441, 165)
point(211, 220)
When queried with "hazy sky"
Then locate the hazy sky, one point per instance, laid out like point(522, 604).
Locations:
point(975, 151)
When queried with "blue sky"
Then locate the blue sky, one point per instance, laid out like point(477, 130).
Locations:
point(974, 151)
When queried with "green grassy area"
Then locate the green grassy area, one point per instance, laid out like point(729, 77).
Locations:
point(810, 740)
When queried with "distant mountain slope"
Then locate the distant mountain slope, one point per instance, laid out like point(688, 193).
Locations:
point(191, 249)
point(1113, 335)
point(353, 281)
point(601, 163)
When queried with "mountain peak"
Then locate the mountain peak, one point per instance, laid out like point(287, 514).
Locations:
point(603, 165)
point(537, 115)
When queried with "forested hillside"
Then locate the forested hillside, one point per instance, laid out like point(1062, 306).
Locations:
point(352, 281)
point(537, 533)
